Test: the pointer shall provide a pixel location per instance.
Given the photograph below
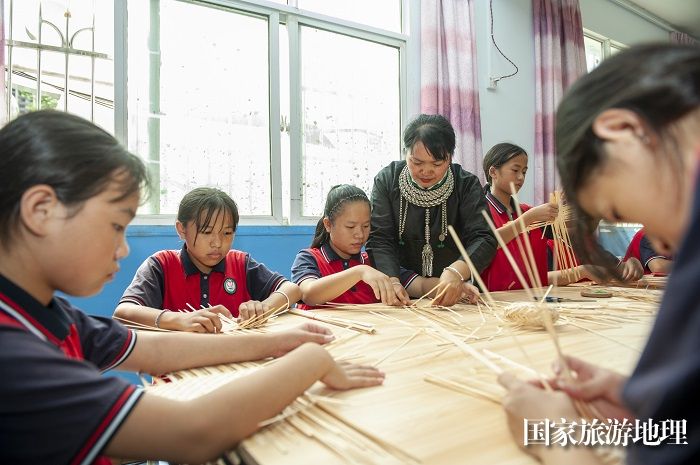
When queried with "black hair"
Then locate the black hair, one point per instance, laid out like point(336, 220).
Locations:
point(203, 205)
point(435, 132)
point(337, 198)
point(76, 158)
point(499, 155)
point(658, 82)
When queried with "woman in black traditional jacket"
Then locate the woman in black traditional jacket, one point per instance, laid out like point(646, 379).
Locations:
point(413, 202)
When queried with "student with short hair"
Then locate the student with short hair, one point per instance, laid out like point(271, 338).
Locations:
point(68, 190)
point(186, 289)
point(336, 270)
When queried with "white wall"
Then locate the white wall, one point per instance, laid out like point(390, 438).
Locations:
point(413, 60)
point(507, 112)
point(617, 23)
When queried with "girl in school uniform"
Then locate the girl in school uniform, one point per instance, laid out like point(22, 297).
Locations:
point(506, 164)
point(186, 289)
point(335, 269)
point(628, 269)
point(634, 121)
point(653, 261)
point(62, 180)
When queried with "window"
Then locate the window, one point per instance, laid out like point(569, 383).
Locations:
point(198, 102)
point(350, 113)
point(208, 85)
point(384, 14)
point(273, 103)
point(598, 48)
point(59, 56)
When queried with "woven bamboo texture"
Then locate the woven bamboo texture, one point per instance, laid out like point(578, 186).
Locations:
point(440, 401)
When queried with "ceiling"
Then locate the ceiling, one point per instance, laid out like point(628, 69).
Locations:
point(683, 14)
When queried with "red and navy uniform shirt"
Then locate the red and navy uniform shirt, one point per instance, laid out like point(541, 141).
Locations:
point(665, 382)
point(633, 248)
point(55, 407)
point(324, 261)
point(499, 275)
point(641, 249)
point(169, 280)
point(647, 254)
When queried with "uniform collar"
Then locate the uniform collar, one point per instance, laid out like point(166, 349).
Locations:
point(330, 255)
point(191, 268)
point(500, 208)
point(50, 322)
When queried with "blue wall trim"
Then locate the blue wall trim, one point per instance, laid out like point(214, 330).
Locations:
point(275, 246)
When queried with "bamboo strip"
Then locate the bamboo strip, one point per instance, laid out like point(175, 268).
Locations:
point(531, 264)
point(426, 294)
point(617, 341)
point(385, 444)
point(508, 255)
point(466, 348)
point(462, 388)
point(140, 326)
point(332, 321)
point(470, 264)
point(413, 336)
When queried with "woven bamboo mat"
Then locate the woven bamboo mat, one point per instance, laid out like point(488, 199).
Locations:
point(438, 404)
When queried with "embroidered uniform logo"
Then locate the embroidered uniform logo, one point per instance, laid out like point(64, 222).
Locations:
point(230, 286)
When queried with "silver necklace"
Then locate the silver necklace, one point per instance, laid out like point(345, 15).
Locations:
point(410, 193)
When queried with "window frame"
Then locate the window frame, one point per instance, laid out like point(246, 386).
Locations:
point(607, 42)
point(294, 19)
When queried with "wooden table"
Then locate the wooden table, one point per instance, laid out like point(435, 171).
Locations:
point(431, 424)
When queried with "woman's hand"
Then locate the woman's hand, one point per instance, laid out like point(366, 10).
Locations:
point(344, 375)
point(199, 321)
point(401, 294)
point(286, 341)
point(450, 289)
point(470, 293)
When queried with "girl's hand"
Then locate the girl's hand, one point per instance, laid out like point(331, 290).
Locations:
point(344, 375)
point(541, 213)
point(453, 288)
point(401, 294)
point(286, 341)
point(252, 308)
point(199, 321)
point(631, 269)
point(380, 284)
point(599, 386)
point(528, 401)
point(470, 293)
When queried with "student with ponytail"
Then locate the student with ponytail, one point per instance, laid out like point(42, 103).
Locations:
point(506, 164)
point(336, 269)
point(68, 190)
